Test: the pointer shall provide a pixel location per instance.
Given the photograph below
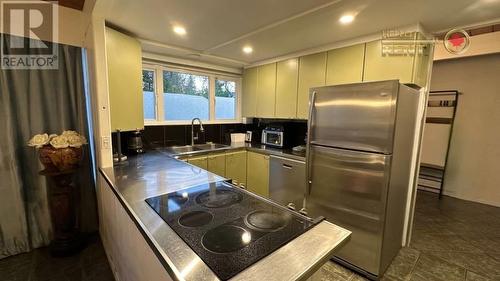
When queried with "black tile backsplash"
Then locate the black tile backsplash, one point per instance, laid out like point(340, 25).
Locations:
point(175, 135)
point(155, 135)
point(170, 135)
point(295, 130)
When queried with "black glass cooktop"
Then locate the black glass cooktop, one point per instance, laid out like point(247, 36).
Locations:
point(230, 229)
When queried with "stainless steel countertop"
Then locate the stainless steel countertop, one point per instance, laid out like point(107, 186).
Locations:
point(152, 174)
point(259, 148)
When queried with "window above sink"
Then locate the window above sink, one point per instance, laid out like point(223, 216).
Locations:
point(173, 96)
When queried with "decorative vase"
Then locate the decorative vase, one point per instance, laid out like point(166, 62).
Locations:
point(60, 159)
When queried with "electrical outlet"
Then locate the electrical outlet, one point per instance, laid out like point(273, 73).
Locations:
point(106, 142)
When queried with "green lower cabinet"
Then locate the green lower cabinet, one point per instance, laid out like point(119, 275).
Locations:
point(216, 163)
point(258, 173)
point(200, 161)
point(236, 167)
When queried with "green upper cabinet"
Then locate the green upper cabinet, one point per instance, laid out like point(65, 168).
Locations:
point(281, 90)
point(312, 70)
point(379, 67)
point(422, 62)
point(345, 65)
point(287, 76)
point(249, 98)
point(266, 90)
point(124, 61)
point(409, 68)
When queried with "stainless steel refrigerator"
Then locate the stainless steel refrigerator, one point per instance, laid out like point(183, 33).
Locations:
point(359, 153)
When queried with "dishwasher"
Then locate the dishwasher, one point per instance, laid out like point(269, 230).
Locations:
point(287, 182)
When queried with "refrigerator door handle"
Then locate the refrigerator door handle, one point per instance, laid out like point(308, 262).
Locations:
point(308, 144)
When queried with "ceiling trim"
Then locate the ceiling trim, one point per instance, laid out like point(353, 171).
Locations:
point(190, 51)
point(469, 26)
point(336, 45)
point(272, 25)
point(152, 58)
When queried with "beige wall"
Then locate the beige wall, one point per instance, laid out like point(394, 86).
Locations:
point(473, 171)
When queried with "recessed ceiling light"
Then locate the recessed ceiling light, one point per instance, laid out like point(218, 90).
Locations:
point(247, 49)
point(345, 19)
point(179, 30)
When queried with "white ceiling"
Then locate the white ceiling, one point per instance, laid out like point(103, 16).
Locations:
point(218, 29)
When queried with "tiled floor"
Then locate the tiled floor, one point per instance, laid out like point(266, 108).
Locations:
point(452, 240)
point(89, 265)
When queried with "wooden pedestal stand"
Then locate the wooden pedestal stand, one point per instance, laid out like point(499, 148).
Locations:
point(67, 238)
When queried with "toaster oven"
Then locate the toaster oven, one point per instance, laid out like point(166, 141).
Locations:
point(273, 137)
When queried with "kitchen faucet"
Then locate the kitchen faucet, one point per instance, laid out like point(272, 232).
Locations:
point(192, 129)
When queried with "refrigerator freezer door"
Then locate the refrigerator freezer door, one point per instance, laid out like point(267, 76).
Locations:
point(355, 116)
point(349, 188)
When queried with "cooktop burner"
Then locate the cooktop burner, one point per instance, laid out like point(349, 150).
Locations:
point(195, 218)
point(226, 238)
point(267, 221)
point(218, 198)
point(227, 227)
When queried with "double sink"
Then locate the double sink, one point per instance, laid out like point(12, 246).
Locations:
point(194, 149)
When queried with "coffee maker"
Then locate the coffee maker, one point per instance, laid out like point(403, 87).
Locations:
point(134, 143)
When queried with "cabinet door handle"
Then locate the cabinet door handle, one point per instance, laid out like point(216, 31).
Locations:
point(286, 166)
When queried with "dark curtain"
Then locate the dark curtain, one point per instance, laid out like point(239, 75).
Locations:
point(33, 102)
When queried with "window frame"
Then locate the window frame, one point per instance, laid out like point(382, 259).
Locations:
point(212, 76)
point(155, 78)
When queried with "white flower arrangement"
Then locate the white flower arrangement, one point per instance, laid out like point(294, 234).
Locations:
point(66, 139)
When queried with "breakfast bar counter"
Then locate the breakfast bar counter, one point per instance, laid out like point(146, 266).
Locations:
point(153, 173)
